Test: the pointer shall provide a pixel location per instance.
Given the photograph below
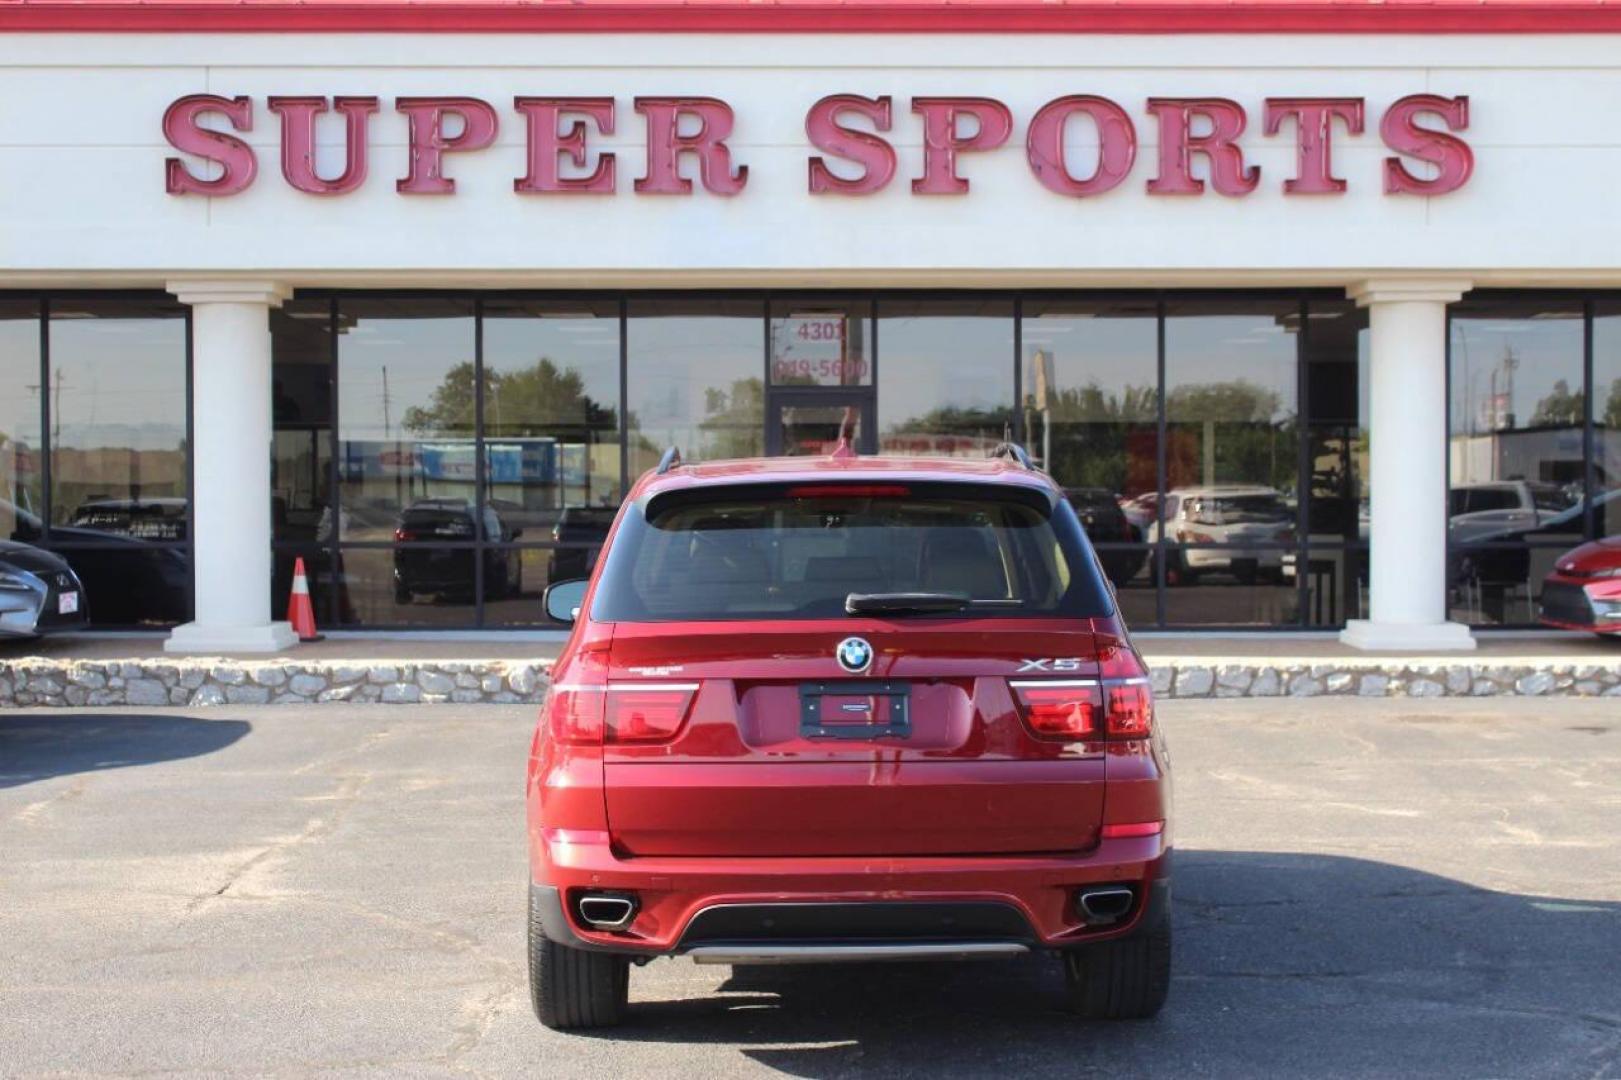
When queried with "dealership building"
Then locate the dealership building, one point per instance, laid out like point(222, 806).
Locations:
point(1314, 307)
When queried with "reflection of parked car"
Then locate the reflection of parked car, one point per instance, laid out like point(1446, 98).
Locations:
point(578, 525)
point(39, 593)
point(1106, 523)
point(422, 567)
point(1584, 590)
point(1477, 513)
point(144, 519)
point(1234, 514)
point(134, 581)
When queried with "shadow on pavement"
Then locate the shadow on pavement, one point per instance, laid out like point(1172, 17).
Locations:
point(37, 746)
point(1284, 963)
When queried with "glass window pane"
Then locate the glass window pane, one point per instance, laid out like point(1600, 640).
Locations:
point(1498, 585)
point(535, 569)
point(1336, 584)
point(820, 341)
point(695, 380)
point(20, 501)
point(118, 419)
point(1607, 418)
point(1091, 406)
point(405, 410)
point(1515, 451)
point(301, 398)
point(945, 376)
point(134, 583)
point(1229, 587)
point(551, 410)
point(1335, 351)
point(408, 585)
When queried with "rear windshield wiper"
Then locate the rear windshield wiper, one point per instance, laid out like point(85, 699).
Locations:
point(904, 603)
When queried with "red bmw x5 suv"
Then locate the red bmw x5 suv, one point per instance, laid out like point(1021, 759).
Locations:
point(846, 709)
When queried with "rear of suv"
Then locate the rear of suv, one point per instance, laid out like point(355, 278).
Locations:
point(846, 709)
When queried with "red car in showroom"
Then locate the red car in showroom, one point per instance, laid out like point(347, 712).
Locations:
point(1584, 590)
point(849, 709)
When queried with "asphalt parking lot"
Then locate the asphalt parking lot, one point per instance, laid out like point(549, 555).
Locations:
point(1363, 889)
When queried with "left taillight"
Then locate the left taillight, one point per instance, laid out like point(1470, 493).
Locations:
point(647, 712)
point(574, 713)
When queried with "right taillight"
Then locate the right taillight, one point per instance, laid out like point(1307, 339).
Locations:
point(1119, 705)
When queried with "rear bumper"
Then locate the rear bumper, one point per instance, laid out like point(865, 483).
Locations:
point(1035, 895)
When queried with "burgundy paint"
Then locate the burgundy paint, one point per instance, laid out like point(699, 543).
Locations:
point(872, 152)
point(236, 158)
point(429, 143)
point(298, 141)
point(1314, 134)
point(1178, 144)
point(1451, 156)
point(548, 142)
point(665, 145)
point(1117, 145)
point(943, 140)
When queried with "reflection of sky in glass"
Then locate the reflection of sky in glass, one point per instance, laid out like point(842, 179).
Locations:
point(587, 347)
point(1540, 351)
point(417, 354)
point(930, 363)
point(1202, 350)
point(118, 383)
point(675, 362)
point(1113, 354)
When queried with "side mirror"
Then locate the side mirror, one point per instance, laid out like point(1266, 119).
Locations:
point(563, 599)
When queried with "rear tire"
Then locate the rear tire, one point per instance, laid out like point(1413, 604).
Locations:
point(573, 988)
point(1121, 980)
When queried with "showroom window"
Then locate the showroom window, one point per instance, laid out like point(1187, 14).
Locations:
point(1214, 443)
point(1517, 495)
point(95, 458)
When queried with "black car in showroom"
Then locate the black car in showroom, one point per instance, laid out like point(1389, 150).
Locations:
point(422, 567)
point(39, 593)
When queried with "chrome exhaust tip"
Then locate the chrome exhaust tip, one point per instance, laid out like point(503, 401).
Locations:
point(606, 911)
point(1105, 906)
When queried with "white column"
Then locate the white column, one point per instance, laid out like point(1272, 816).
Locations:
point(231, 418)
point(1407, 475)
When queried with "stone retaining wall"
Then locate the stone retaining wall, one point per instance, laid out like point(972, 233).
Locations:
point(76, 683)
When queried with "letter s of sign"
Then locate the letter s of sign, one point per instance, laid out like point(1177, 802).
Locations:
point(237, 162)
point(872, 152)
point(1451, 156)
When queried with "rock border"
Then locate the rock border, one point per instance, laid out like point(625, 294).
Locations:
point(201, 681)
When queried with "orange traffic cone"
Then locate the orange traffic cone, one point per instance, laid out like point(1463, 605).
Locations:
point(300, 612)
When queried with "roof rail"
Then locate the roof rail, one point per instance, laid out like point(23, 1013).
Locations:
point(671, 458)
point(1016, 452)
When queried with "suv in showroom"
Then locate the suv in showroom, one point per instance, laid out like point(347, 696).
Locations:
point(846, 709)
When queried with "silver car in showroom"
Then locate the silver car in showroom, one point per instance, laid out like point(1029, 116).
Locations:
point(39, 593)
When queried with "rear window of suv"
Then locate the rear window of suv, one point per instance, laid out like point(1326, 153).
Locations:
point(798, 551)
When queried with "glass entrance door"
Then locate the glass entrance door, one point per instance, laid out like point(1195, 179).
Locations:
point(813, 424)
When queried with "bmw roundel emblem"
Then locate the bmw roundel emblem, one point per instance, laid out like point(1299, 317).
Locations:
point(854, 655)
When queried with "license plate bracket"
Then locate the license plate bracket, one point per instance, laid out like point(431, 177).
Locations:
point(855, 709)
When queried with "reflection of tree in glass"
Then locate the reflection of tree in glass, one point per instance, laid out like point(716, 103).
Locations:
point(733, 421)
point(534, 399)
point(1612, 408)
point(1561, 408)
point(1089, 439)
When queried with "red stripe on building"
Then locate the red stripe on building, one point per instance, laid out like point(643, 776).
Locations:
point(814, 16)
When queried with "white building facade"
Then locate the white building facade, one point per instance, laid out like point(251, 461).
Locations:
point(412, 293)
